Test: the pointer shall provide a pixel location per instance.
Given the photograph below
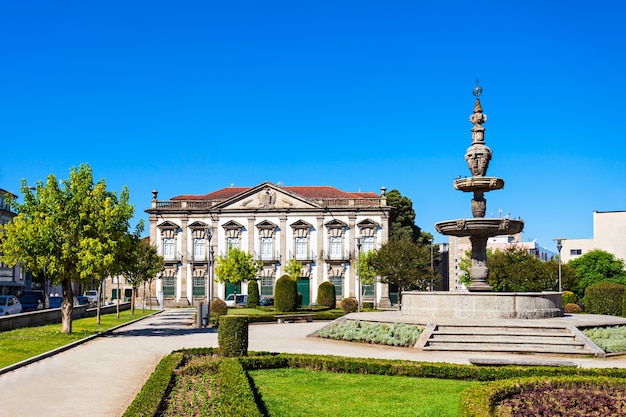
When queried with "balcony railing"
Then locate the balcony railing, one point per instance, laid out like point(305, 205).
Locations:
point(267, 258)
point(306, 257)
point(328, 256)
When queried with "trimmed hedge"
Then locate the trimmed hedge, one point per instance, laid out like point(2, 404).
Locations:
point(326, 295)
point(481, 400)
point(232, 336)
point(349, 305)
point(286, 294)
point(235, 397)
point(253, 294)
point(218, 309)
point(604, 298)
point(149, 399)
point(571, 308)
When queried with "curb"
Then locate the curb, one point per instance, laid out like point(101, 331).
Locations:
point(69, 346)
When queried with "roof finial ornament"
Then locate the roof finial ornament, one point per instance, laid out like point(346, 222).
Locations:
point(478, 90)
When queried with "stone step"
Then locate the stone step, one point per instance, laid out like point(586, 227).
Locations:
point(504, 332)
point(538, 339)
point(508, 347)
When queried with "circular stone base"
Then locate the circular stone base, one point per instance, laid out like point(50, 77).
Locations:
point(488, 305)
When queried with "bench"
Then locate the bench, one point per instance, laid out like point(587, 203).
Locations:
point(292, 318)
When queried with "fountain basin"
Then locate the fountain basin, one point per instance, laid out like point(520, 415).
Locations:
point(481, 305)
point(479, 227)
point(482, 184)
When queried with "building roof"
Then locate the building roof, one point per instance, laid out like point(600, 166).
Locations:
point(308, 192)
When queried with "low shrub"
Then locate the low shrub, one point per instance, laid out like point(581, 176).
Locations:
point(236, 397)
point(253, 294)
point(569, 298)
point(218, 308)
point(349, 305)
point(326, 295)
point(554, 396)
point(367, 305)
point(572, 308)
point(286, 294)
point(149, 399)
point(396, 334)
point(604, 298)
point(232, 336)
point(609, 339)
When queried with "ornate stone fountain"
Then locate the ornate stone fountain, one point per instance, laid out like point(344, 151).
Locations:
point(481, 302)
point(479, 229)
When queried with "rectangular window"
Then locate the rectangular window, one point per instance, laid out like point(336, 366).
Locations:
point(335, 248)
point(169, 286)
point(267, 248)
point(367, 290)
point(169, 252)
point(199, 286)
point(367, 244)
point(301, 248)
point(232, 243)
point(267, 286)
point(574, 252)
point(199, 250)
point(338, 283)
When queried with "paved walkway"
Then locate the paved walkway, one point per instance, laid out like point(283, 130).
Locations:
point(102, 376)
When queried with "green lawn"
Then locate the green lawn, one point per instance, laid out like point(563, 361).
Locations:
point(20, 344)
point(299, 393)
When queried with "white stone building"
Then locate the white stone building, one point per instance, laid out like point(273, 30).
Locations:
point(609, 234)
point(317, 225)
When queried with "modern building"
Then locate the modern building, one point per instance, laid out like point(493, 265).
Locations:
point(458, 246)
point(12, 280)
point(322, 227)
point(609, 234)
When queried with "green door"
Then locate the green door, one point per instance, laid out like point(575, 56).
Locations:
point(304, 287)
point(230, 289)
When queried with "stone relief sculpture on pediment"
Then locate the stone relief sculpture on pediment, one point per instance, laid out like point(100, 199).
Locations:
point(267, 197)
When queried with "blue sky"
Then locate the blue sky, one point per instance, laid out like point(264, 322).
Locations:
point(192, 96)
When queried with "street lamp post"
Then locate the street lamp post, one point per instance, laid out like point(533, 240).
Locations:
point(559, 246)
point(358, 271)
point(209, 236)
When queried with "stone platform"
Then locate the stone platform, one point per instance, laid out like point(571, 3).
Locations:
point(481, 305)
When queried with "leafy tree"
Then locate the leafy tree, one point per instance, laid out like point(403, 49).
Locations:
point(405, 264)
point(367, 273)
point(72, 230)
point(402, 220)
point(596, 266)
point(236, 267)
point(514, 269)
point(293, 269)
point(142, 264)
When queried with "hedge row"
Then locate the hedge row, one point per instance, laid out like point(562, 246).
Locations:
point(235, 397)
point(149, 399)
point(481, 400)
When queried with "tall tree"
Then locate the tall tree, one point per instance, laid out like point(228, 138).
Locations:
point(402, 221)
point(596, 266)
point(293, 269)
point(57, 231)
point(405, 264)
point(143, 264)
point(236, 267)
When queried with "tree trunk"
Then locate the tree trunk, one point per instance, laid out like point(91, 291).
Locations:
point(98, 302)
point(118, 297)
point(67, 306)
point(132, 301)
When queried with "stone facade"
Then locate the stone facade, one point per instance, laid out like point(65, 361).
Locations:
point(318, 226)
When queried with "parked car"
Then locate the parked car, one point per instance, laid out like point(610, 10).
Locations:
point(81, 300)
point(92, 296)
point(54, 301)
point(30, 301)
point(266, 301)
point(9, 304)
point(242, 300)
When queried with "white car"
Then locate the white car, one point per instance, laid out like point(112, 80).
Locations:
point(9, 304)
point(241, 300)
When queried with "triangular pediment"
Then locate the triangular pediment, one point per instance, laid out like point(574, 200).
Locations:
point(300, 224)
point(368, 224)
point(336, 224)
point(198, 225)
point(232, 225)
point(266, 196)
point(265, 224)
point(167, 225)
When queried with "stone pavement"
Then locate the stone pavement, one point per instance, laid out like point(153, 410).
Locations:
point(102, 376)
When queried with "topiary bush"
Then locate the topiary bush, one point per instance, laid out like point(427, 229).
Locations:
point(569, 297)
point(604, 298)
point(349, 305)
point(326, 295)
point(572, 308)
point(232, 336)
point(253, 294)
point(218, 308)
point(286, 294)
